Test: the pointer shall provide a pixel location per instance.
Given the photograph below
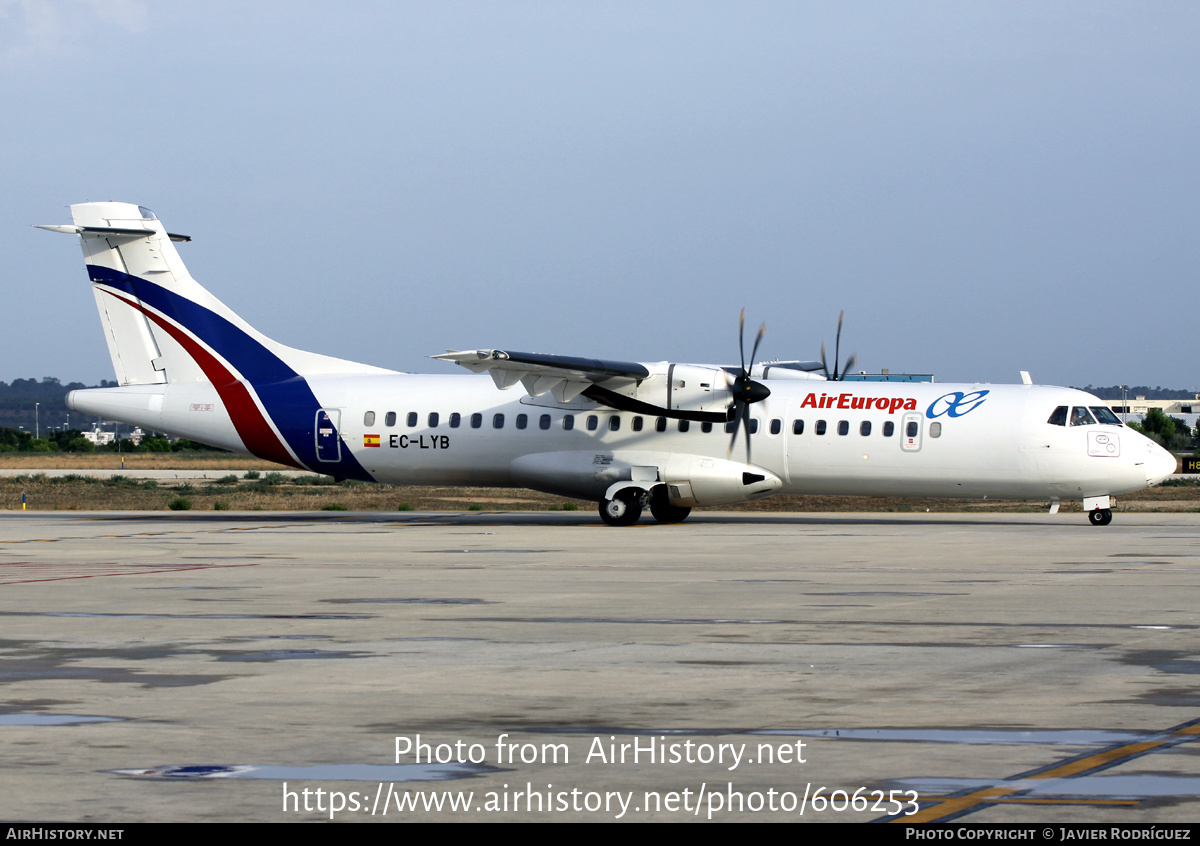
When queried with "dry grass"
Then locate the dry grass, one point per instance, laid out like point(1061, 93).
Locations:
point(135, 461)
point(74, 493)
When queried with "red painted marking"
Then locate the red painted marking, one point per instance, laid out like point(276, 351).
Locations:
point(256, 433)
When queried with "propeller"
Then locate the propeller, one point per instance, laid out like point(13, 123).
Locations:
point(850, 362)
point(745, 390)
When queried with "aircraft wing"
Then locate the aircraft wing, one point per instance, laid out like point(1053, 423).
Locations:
point(564, 376)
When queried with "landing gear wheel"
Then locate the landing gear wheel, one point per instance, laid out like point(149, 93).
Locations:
point(662, 509)
point(1100, 516)
point(622, 510)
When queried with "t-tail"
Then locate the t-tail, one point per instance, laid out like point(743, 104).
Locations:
point(185, 362)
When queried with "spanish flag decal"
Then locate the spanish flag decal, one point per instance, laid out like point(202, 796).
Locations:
point(370, 440)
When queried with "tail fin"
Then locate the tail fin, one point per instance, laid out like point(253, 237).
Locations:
point(163, 328)
point(161, 325)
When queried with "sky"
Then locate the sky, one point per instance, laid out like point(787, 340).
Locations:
point(984, 187)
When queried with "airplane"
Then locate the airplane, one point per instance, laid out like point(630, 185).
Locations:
point(627, 435)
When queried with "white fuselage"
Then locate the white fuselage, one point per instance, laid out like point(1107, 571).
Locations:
point(988, 441)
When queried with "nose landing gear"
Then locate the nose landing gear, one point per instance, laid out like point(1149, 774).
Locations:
point(1100, 516)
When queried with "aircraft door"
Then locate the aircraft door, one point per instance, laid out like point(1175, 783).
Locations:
point(329, 445)
point(910, 432)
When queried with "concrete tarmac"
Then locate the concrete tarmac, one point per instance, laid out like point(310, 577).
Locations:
point(1004, 668)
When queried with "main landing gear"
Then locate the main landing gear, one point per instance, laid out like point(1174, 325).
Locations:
point(1100, 516)
point(626, 507)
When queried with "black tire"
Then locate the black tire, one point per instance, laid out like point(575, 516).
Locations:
point(624, 509)
point(1100, 516)
point(662, 509)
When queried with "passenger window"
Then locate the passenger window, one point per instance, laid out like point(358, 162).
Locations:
point(412, 419)
point(776, 426)
point(706, 426)
point(389, 419)
point(820, 427)
point(369, 418)
point(614, 423)
point(433, 419)
point(522, 421)
point(660, 425)
point(455, 420)
point(1080, 416)
point(843, 427)
point(935, 429)
point(684, 425)
point(497, 421)
point(797, 427)
point(730, 426)
point(476, 420)
point(544, 421)
point(592, 422)
point(889, 429)
point(752, 425)
point(911, 429)
point(865, 428)
point(637, 424)
point(1059, 417)
point(568, 422)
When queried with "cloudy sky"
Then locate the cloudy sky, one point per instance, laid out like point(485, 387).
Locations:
point(983, 187)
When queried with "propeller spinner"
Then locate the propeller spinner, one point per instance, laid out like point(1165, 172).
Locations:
point(745, 391)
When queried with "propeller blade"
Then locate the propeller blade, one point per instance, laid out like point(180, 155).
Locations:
point(746, 428)
point(736, 422)
point(762, 330)
point(850, 362)
point(837, 343)
point(741, 340)
point(824, 367)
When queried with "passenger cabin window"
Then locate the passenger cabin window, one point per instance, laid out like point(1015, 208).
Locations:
point(935, 429)
point(412, 420)
point(843, 427)
point(752, 425)
point(776, 426)
point(369, 418)
point(820, 427)
point(433, 419)
point(910, 430)
point(660, 424)
point(1080, 416)
point(684, 425)
point(593, 422)
point(544, 421)
point(614, 423)
point(864, 428)
point(476, 420)
point(637, 424)
point(497, 421)
point(889, 429)
point(522, 421)
point(389, 419)
point(706, 426)
point(568, 422)
point(455, 420)
point(797, 427)
point(1059, 417)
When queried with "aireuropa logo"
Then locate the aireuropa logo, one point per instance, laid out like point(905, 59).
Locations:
point(956, 404)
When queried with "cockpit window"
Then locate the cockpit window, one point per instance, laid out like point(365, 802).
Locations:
point(1080, 416)
point(1059, 417)
point(1105, 415)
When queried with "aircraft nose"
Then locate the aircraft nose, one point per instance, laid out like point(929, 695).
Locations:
point(1159, 464)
